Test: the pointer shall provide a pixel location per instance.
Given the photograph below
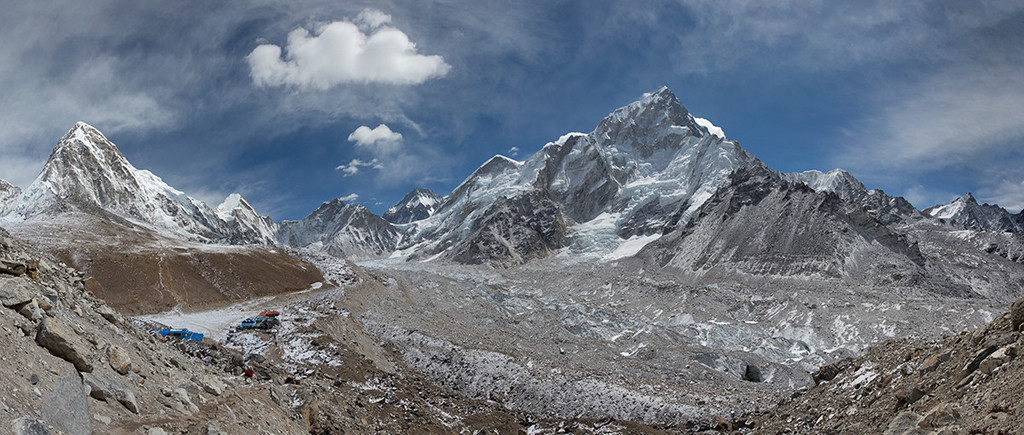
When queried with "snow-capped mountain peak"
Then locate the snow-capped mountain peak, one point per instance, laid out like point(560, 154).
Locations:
point(646, 165)
point(340, 229)
point(230, 204)
point(837, 181)
point(954, 209)
point(8, 196)
point(418, 204)
point(86, 168)
point(965, 212)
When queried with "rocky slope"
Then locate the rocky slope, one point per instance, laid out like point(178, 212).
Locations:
point(759, 224)
point(73, 365)
point(965, 383)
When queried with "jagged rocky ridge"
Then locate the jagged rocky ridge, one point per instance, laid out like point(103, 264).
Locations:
point(342, 230)
point(761, 224)
point(416, 205)
point(644, 171)
point(965, 212)
point(647, 165)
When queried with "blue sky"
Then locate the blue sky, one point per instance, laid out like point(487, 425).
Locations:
point(283, 101)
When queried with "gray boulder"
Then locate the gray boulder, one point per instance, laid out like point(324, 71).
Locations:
point(65, 406)
point(119, 360)
point(212, 384)
point(29, 426)
point(12, 267)
point(109, 314)
point(31, 310)
point(127, 398)
point(100, 389)
point(1017, 314)
point(63, 342)
point(16, 291)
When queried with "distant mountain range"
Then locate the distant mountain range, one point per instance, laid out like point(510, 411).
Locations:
point(651, 181)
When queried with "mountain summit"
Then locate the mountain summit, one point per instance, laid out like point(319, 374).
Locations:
point(416, 205)
point(645, 167)
point(86, 169)
point(965, 212)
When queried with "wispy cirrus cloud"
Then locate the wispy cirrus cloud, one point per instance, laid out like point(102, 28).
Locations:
point(353, 166)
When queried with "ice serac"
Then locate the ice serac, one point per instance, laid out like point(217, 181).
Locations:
point(8, 196)
point(762, 225)
point(86, 169)
point(416, 205)
point(343, 230)
point(645, 168)
point(965, 212)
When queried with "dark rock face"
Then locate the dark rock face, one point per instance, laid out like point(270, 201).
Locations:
point(595, 187)
point(513, 231)
point(759, 224)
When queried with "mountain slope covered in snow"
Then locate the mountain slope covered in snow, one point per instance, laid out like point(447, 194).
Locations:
point(342, 230)
point(416, 205)
point(646, 166)
point(965, 212)
point(87, 169)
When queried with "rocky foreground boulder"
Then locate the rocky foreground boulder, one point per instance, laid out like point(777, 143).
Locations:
point(966, 383)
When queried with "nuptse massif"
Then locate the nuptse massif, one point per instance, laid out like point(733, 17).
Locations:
point(652, 265)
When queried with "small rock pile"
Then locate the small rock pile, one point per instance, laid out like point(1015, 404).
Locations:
point(967, 383)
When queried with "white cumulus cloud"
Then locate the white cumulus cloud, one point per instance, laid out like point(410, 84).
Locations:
point(350, 197)
point(380, 139)
point(340, 52)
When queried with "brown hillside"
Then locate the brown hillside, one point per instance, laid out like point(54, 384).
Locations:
point(154, 281)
